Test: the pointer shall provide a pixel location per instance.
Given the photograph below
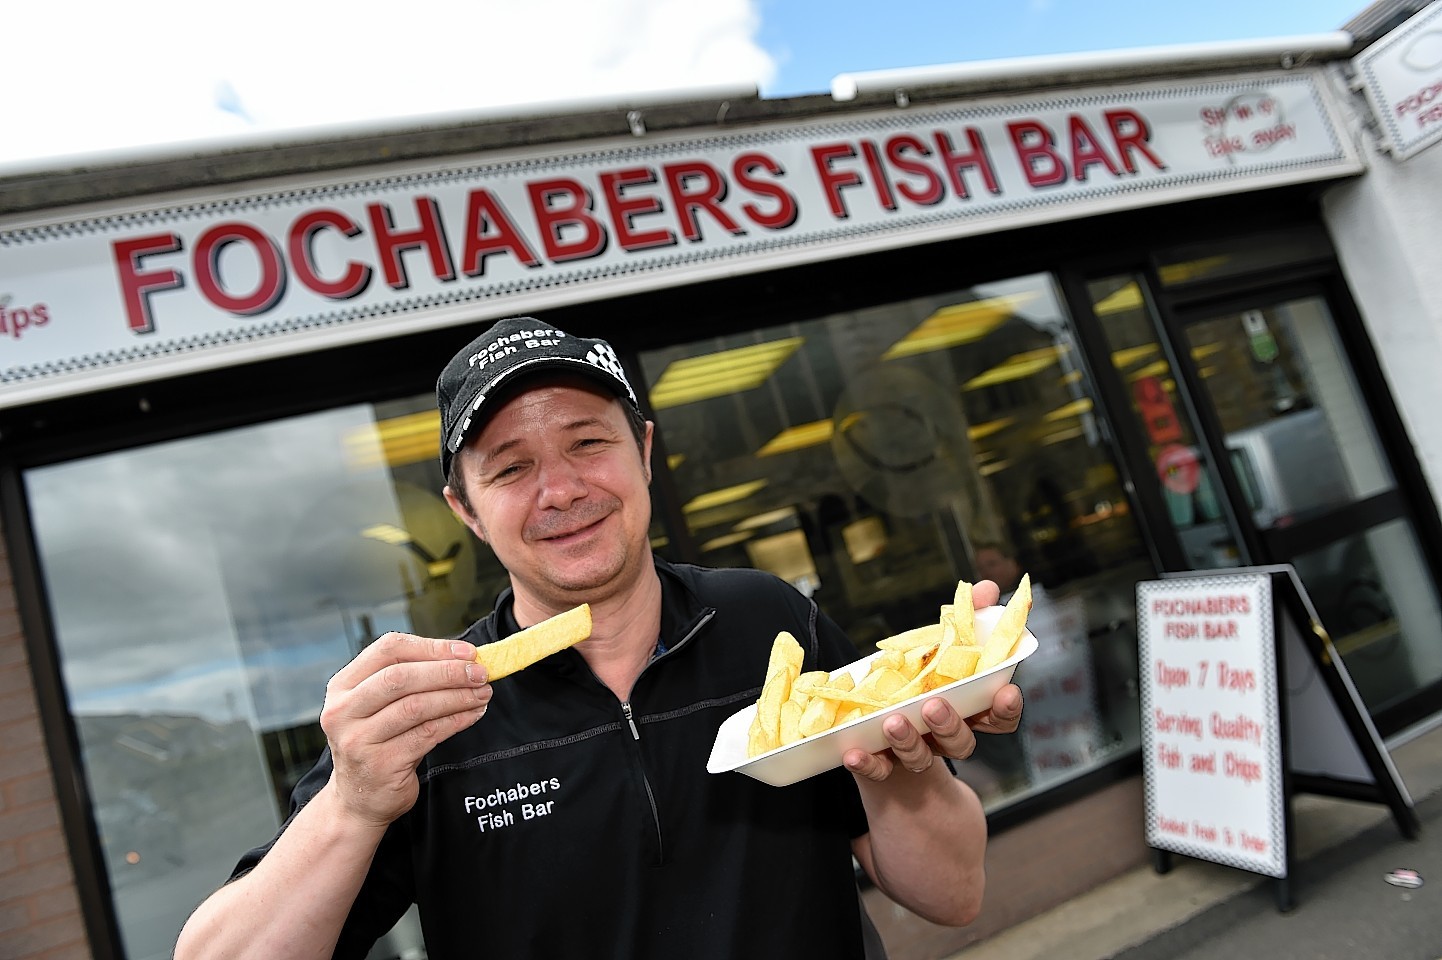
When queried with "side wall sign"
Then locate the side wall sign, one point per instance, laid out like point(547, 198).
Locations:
point(1402, 74)
point(176, 285)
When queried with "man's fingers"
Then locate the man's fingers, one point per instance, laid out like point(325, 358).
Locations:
point(950, 735)
point(1004, 715)
point(872, 766)
point(985, 593)
point(395, 648)
point(421, 716)
point(397, 680)
point(907, 744)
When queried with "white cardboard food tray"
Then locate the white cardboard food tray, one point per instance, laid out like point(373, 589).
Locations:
point(806, 758)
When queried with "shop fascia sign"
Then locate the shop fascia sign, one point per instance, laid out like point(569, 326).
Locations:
point(1402, 77)
point(125, 295)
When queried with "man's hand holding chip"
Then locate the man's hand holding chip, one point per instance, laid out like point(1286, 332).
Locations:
point(387, 708)
point(947, 734)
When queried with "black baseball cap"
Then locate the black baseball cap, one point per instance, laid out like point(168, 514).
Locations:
point(512, 348)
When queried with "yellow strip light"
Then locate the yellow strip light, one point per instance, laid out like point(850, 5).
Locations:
point(766, 519)
point(1158, 369)
point(386, 533)
point(395, 441)
point(1016, 367)
point(725, 540)
point(718, 498)
point(721, 373)
point(1074, 409)
point(1062, 436)
point(1191, 269)
point(957, 324)
point(1120, 301)
point(983, 430)
point(1127, 356)
point(798, 437)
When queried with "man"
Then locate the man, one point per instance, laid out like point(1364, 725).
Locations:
point(995, 562)
point(567, 811)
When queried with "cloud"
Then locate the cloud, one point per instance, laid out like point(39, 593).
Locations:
point(144, 75)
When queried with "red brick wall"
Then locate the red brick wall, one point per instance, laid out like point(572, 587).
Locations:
point(39, 909)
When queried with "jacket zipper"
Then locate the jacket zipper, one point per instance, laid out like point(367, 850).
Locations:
point(630, 716)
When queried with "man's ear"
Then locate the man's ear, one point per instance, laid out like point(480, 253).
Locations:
point(646, 450)
point(459, 509)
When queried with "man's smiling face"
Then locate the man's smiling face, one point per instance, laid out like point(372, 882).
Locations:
point(559, 489)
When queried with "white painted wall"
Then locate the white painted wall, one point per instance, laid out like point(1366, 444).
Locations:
point(1387, 229)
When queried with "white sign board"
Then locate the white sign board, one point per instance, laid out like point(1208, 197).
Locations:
point(1211, 721)
point(171, 285)
point(1062, 733)
point(1402, 74)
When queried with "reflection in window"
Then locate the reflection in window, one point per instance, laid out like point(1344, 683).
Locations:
point(1372, 593)
point(1184, 473)
point(221, 580)
point(870, 457)
point(1291, 410)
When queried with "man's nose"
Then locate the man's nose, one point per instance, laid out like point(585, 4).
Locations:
point(561, 484)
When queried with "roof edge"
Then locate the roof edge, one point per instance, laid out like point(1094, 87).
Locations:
point(1285, 52)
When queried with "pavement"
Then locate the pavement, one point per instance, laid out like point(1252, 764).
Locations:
point(1342, 905)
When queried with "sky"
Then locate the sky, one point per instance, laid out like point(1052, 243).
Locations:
point(95, 76)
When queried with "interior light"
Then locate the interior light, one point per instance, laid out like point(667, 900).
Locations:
point(959, 323)
point(1130, 355)
point(981, 431)
point(1074, 409)
point(1155, 369)
point(395, 441)
point(675, 460)
point(726, 540)
point(1120, 301)
point(798, 437)
point(717, 374)
point(386, 533)
point(725, 495)
point(1061, 436)
point(1016, 367)
point(766, 519)
point(1191, 269)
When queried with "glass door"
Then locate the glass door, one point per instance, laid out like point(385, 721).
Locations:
point(1175, 475)
point(1310, 483)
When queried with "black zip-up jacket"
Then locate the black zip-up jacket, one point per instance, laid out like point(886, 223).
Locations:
point(565, 823)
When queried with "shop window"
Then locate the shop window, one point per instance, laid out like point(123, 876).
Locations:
point(202, 593)
point(875, 457)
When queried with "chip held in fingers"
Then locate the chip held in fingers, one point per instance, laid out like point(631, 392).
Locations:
point(525, 647)
point(803, 722)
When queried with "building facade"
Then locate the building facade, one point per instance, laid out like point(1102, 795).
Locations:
point(1093, 320)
